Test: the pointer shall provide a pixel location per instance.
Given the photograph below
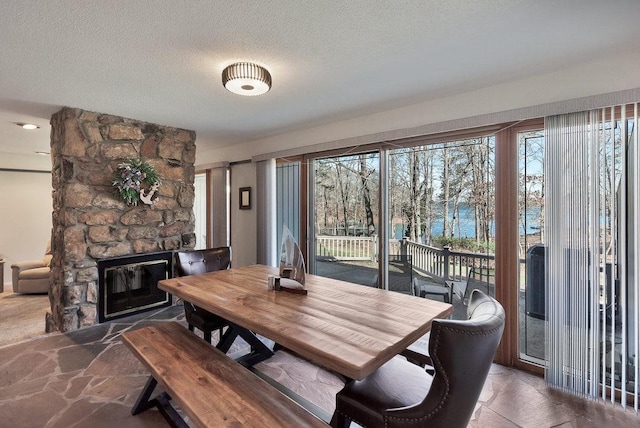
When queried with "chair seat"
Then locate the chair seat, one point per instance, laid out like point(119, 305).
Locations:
point(36, 273)
point(424, 287)
point(396, 384)
point(204, 320)
point(434, 289)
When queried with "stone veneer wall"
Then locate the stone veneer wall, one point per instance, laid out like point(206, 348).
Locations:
point(90, 222)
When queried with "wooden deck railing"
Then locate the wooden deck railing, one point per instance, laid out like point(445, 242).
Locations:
point(439, 262)
point(347, 247)
point(447, 264)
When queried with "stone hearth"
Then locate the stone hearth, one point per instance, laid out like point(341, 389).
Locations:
point(90, 222)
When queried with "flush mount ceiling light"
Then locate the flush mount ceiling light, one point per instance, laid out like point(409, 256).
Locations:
point(248, 79)
point(27, 125)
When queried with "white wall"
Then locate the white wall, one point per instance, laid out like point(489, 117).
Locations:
point(243, 222)
point(605, 76)
point(25, 217)
point(32, 162)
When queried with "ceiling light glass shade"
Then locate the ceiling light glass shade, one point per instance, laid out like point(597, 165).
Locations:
point(27, 125)
point(248, 79)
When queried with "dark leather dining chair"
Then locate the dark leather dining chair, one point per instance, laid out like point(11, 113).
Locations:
point(402, 394)
point(196, 262)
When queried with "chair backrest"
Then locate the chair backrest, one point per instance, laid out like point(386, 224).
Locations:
point(195, 262)
point(48, 256)
point(460, 288)
point(462, 352)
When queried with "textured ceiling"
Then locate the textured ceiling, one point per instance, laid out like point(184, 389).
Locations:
point(161, 60)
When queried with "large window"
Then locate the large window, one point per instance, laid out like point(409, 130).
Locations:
point(435, 235)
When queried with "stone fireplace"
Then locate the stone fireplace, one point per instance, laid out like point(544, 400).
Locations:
point(91, 223)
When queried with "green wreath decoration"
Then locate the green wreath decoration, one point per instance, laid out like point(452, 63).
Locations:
point(135, 181)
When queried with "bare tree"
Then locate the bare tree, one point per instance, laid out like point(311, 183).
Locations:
point(531, 187)
point(427, 199)
point(364, 174)
point(446, 176)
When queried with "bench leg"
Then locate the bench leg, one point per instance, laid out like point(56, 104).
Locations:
point(143, 403)
point(161, 401)
point(169, 413)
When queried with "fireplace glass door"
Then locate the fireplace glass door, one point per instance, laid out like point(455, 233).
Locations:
point(129, 285)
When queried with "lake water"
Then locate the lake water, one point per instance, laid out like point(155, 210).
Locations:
point(466, 226)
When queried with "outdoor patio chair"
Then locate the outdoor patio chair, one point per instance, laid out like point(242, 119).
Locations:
point(401, 394)
point(197, 262)
point(460, 288)
point(418, 352)
point(397, 283)
point(424, 287)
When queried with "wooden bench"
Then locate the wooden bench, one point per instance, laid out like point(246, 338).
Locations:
point(211, 388)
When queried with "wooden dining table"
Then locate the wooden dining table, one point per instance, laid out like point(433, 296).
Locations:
point(348, 328)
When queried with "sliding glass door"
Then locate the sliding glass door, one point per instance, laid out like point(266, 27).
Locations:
point(345, 223)
point(592, 175)
point(577, 295)
point(531, 247)
point(441, 218)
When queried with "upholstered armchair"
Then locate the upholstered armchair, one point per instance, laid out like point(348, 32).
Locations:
point(32, 276)
point(401, 394)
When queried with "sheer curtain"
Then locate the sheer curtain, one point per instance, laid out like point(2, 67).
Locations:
point(591, 209)
point(267, 239)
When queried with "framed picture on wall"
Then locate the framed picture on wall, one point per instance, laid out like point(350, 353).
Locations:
point(245, 198)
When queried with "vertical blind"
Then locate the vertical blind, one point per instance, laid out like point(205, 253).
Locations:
point(592, 215)
point(288, 199)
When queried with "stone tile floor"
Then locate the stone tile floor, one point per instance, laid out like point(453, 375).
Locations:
point(88, 378)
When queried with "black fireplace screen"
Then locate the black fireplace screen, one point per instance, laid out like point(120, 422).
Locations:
point(130, 284)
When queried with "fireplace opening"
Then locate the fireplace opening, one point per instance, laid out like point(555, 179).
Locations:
point(129, 285)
